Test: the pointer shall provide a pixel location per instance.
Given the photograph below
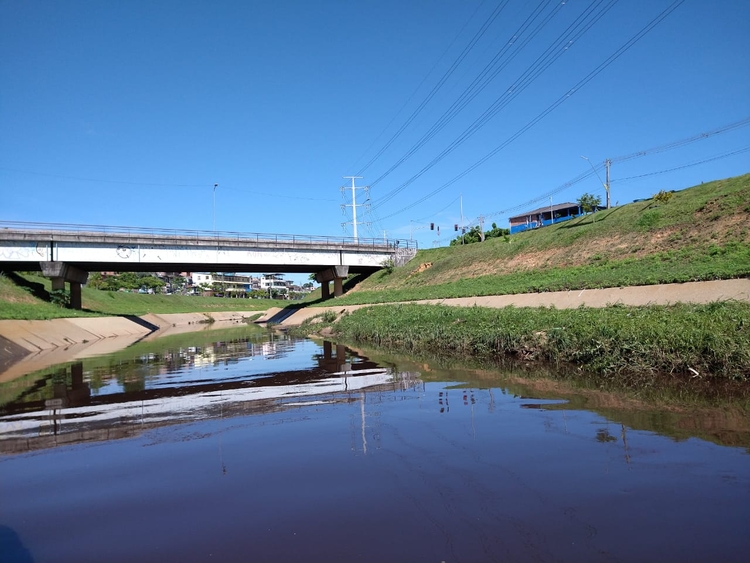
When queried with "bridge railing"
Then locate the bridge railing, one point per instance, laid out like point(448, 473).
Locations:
point(318, 240)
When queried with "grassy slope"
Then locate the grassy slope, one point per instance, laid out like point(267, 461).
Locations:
point(700, 234)
point(19, 303)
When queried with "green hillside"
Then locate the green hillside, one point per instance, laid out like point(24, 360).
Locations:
point(701, 233)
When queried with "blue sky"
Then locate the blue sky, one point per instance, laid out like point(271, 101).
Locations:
point(127, 113)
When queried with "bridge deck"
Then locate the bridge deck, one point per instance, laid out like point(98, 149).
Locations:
point(103, 248)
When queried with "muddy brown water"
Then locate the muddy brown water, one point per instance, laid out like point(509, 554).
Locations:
point(251, 446)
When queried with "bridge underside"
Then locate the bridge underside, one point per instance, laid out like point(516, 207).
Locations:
point(68, 257)
point(119, 267)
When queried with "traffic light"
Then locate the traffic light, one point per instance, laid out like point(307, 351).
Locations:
point(455, 227)
point(432, 226)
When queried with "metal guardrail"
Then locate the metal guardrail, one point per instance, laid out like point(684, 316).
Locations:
point(209, 235)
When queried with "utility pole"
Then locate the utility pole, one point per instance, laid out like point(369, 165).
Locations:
point(551, 215)
point(607, 163)
point(463, 237)
point(481, 228)
point(353, 204)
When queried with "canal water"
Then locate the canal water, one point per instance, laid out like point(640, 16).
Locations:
point(246, 445)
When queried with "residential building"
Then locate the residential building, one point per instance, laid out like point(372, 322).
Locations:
point(544, 216)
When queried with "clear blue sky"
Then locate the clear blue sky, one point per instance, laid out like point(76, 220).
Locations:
point(127, 113)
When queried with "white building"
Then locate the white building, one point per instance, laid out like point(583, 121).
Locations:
point(274, 282)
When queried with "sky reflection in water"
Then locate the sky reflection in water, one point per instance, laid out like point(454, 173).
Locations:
point(249, 449)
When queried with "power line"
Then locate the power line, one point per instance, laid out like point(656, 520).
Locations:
point(163, 185)
point(696, 163)
point(590, 173)
point(414, 93)
point(479, 83)
point(590, 76)
point(477, 36)
point(682, 142)
point(562, 43)
point(266, 194)
point(660, 148)
point(103, 181)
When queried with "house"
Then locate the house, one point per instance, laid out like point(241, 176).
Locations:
point(544, 216)
point(275, 282)
point(228, 284)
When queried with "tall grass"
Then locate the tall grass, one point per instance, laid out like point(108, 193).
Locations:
point(706, 342)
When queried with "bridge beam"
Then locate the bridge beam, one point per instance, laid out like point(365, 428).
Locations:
point(59, 273)
point(336, 273)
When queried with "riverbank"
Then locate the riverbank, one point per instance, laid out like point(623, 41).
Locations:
point(27, 346)
point(30, 345)
point(635, 345)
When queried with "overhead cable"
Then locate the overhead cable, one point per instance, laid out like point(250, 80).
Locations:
point(477, 36)
point(590, 76)
point(583, 23)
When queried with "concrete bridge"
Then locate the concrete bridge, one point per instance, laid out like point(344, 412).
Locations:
point(67, 253)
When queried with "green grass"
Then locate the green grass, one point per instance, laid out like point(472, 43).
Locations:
point(672, 266)
point(19, 303)
point(702, 233)
point(633, 343)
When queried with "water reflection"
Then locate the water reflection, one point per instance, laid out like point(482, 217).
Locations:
point(250, 446)
point(224, 378)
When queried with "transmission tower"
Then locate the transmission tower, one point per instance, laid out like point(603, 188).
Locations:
point(354, 203)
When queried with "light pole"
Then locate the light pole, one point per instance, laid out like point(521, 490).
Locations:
point(605, 184)
point(215, 186)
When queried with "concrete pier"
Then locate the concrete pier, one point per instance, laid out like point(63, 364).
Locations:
point(337, 274)
point(59, 273)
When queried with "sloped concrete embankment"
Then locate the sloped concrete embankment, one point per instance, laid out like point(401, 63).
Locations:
point(27, 346)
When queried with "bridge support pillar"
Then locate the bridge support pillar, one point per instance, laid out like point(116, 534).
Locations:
point(59, 273)
point(336, 273)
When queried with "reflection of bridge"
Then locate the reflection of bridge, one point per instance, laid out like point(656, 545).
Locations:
point(73, 415)
point(67, 253)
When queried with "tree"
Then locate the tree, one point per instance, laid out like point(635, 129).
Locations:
point(475, 235)
point(96, 281)
point(496, 232)
point(662, 197)
point(589, 202)
point(151, 282)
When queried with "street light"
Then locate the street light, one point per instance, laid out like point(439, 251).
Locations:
point(215, 186)
point(605, 184)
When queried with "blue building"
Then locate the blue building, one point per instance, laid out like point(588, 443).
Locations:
point(544, 216)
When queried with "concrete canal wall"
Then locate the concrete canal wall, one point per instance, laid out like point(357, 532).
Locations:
point(27, 346)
